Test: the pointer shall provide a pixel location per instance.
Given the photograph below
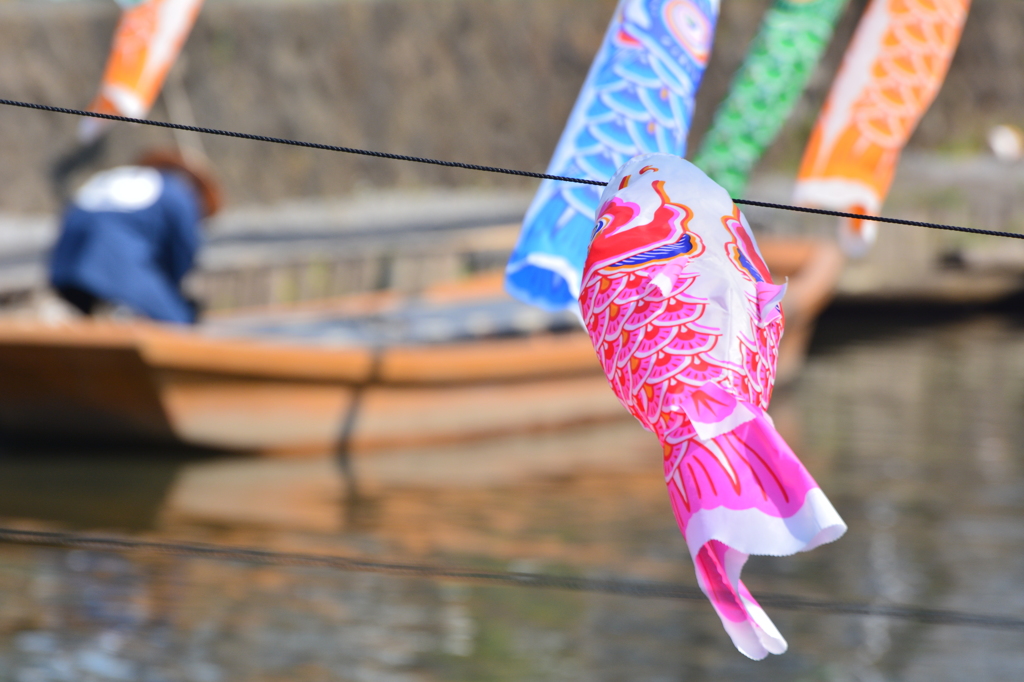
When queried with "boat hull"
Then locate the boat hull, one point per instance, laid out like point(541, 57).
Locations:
point(104, 382)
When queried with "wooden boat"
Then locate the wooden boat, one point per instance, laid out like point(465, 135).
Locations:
point(456, 362)
point(110, 381)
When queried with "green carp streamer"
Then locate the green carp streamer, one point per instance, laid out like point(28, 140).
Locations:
point(764, 91)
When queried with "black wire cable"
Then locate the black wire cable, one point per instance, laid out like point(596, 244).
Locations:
point(294, 143)
point(618, 586)
point(609, 586)
point(488, 169)
point(879, 219)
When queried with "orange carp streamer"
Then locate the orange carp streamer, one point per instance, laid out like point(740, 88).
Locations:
point(890, 75)
point(148, 38)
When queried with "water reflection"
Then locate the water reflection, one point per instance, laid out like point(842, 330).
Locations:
point(915, 436)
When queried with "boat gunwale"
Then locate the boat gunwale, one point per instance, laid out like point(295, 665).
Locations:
point(543, 356)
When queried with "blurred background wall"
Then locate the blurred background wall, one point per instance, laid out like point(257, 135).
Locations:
point(482, 81)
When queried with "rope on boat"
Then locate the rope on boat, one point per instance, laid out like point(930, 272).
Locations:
point(619, 586)
point(487, 169)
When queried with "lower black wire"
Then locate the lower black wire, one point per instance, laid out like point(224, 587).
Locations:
point(619, 586)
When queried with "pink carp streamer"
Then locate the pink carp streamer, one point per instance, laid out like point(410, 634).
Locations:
point(890, 75)
point(146, 43)
point(686, 323)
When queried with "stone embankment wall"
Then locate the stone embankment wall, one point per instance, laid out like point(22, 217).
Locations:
point(489, 82)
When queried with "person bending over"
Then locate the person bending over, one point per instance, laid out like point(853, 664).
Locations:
point(131, 233)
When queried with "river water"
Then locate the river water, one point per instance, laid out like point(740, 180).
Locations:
point(911, 424)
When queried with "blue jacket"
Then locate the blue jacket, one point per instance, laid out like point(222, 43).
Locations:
point(129, 237)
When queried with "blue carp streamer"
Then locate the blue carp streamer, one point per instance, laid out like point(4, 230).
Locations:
point(638, 97)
